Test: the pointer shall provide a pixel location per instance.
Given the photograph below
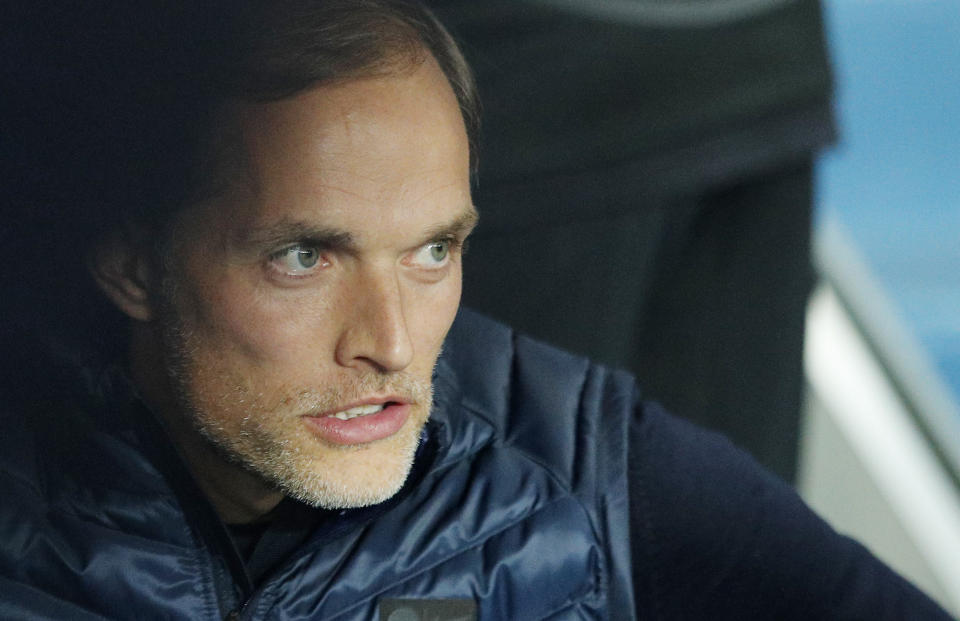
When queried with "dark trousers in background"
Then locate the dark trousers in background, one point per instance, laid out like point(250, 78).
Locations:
point(645, 193)
point(702, 296)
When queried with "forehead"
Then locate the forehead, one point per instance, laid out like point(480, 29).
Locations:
point(378, 147)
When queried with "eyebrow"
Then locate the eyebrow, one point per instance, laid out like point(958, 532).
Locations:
point(459, 227)
point(288, 231)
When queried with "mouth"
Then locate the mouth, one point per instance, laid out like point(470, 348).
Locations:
point(361, 423)
point(361, 410)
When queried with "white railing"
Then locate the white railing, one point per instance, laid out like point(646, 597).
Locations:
point(881, 449)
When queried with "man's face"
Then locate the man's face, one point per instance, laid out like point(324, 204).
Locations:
point(305, 307)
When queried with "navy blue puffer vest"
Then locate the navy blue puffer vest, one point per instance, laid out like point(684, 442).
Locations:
point(521, 505)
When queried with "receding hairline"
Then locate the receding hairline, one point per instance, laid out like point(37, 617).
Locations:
point(318, 45)
point(227, 161)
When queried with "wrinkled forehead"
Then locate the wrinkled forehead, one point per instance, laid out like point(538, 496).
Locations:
point(386, 147)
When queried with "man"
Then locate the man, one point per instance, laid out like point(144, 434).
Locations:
point(275, 434)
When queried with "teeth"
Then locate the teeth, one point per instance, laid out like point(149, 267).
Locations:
point(361, 410)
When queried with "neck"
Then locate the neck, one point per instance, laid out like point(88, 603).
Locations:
point(237, 495)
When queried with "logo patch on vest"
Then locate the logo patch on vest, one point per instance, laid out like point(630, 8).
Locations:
point(428, 610)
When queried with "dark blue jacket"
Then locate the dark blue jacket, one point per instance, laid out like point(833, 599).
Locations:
point(543, 489)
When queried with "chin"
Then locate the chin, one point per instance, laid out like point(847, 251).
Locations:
point(338, 477)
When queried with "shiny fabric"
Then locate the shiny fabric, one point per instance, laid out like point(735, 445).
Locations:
point(543, 489)
point(94, 525)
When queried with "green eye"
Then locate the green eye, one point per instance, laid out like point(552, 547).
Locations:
point(439, 250)
point(299, 260)
point(433, 256)
point(306, 257)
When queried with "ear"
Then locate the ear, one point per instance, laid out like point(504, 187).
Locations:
point(124, 272)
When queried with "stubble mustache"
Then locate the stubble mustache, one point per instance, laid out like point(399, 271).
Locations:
point(185, 362)
point(346, 392)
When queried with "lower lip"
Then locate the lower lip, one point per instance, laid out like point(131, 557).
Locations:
point(362, 429)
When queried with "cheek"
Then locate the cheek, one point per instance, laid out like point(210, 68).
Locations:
point(243, 325)
point(249, 324)
point(433, 312)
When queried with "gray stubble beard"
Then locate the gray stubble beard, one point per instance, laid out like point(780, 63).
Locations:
point(258, 452)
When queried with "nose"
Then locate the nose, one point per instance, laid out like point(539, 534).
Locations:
point(375, 333)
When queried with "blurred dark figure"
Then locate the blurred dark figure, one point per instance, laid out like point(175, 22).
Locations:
point(645, 191)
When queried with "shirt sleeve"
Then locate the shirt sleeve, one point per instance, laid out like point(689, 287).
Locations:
point(714, 536)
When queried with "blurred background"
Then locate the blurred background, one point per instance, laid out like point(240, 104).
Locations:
point(881, 452)
point(754, 206)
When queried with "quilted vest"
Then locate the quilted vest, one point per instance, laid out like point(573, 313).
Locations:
point(519, 506)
